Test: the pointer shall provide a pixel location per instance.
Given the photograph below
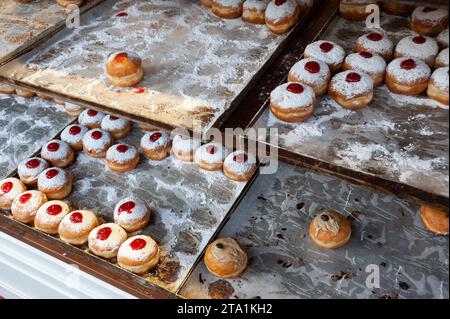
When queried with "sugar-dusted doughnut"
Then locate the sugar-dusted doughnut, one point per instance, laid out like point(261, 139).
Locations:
point(407, 76)
point(105, 240)
point(26, 205)
point(351, 89)
point(124, 69)
point(418, 47)
point(117, 127)
point(438, 85)
point(398, 7)
point(10, 188)
point(429, 21)
point(239, 166)
point(96, 143)
point(330, 230)
point(50, 215)
point(442, 39)
point(225, 258)
point(184, 148)
point(55, 183)
point(156, 145)
point(313, 73)
point(138, 254)
point(29, 170)
point(292, 102)
point(91, 118)
point(75, 227)
point(227, 9)
point(375, 43)
point(122, 158)
point(210, 156)
point(132, 214)
point(73, 135)
point(442, 59)
point(58, 153)
point(372, 64)
point(282, 15)
point(328, 52)
point(73, 110)
point(254, 11)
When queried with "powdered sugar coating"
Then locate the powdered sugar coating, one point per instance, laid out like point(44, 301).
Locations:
point(49, 220)
point(56, 182)
point(31, 206)
point(285, 99)
point(420, 73)
point(93, 145)
point(240, 168)
point(27, 173)
point(73, 139)
point(151, 248)
point(111, 123)
point(259, 5)
point(203, 155)
point(89, 221)
point(137, 213)
point(442, 38)
point(424, 51)
point(112, 243)
point(383, 47)
point(17, 189)
point(87, 120)
point(275, 12)
point(442, 58)
point(118, 157)
point(184, 145)
point(351, 89)
point(299, 72)
point(431, 17)
point(440, 78)
point(373, 65)
point(62, 152)
point(334, 57)
point(161, 142)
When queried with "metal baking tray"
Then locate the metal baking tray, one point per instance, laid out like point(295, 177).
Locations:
point(25, 125)
point(272, 221)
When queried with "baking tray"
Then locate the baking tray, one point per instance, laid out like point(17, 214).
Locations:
point(25, 125)
point(272, 221)
point(399, 144)
point(196, 64)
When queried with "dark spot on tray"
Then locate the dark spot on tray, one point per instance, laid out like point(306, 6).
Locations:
point(380, 244)
point(402, 212)
point(300, 205)
point(356, 200)
point(389, 296)
point(286, 265)
point(203, 217)
point(279, 262)
point(187, 242)
point(220, 289)
point(257, 297)
point(283, 229)
point(200, 278)
point(370, 236)
point(342, 275)
point(280, 236)
point(301, 262)
point(262, 198)
point(383, 264)
point(403, 285)
point(168, 271)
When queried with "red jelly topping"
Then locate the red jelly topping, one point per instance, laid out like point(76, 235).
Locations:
point(96, 135)
point(122, 14)
point(408, 64)
point(25, 198)
point(92, 112)
point(429, 9)
point(54, 209)
point(279, 2)
point(53, 147)
point(6, 187)
point(353, 77)
point(103, 233)
point(312, 67)
point(76, 218)
point(113, 118)
point(138, 244)
point(326, 47)
point(139, 91)
point(74, 130)
point(211, 149)
point(121, 57)
point(33, 163)
point(51, 173)
point(122, 148)
point(240, 158)
point(155, 136)
point(295, 88)
point(375, 36)
point(126, 207)
point(366, 54)
point(419, 40)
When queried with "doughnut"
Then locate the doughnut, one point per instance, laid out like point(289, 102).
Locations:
point(184, 148)
point(418, 47)
point(434, 220)
point(55, 183)
point(207, 3)
point(227, 9)
point(6, 89)
point(355, 9)
point(438, 85)
point(96, 143)
point(328, 52)
point(50, 215)
point(122, 158)
point(132, 214)
point(351, 89)
point(91, 119)
point(314, 73)
point(330, 230)
point(138, 254)
point(105, 240)
point(116, 126)
point(58, 153)
point(239, 166)
point(75, 227)
point(210, 156)
point(29, 170)
point(429, 21)
point(65, 3)
point(397, 7)
point(73, 135)
point(281, 15)
point(73, 109)
point(442, 59)
point(442, 39)
point(225, 258)
point(24, 93)
point(156, 145)
point(10, 188)
point(371, 64)
point(26, 205)
point(292, 102)
point(407, 76)
point(254, 11)
point(124, 69)
point(375, 43)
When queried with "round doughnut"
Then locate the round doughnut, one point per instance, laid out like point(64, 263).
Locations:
point(91, 119)
point(227, 9)
point(207, 3)
point(429, 21)
point(6, 89)
point(438, 85)
point(132, 214)
point(55, 183)
point(96, 143)
point(434, 220)
point(330, 230)
point(442, 59)
point(328, 52)
point(24, 93)
point(375, 43)
point(75, 227)
point(371, 64)
point(58, 153)
point(29, 170)
point(26, 205)
point(73, 109)
point(407, 76)
point(156, 145)
point(292, 102)
point(254, 11)
point(66, 3)
point(124, 69)
point(355, 9)
point(442, 39)
point(225, 258)
point(418, 47)
point(313, 73)
point(210, 156)
point(117, 127)
point(73, 135)
point(10, 188)
point(281, 15)
point(122, 158)
point(351, 89)
point(105, 240)
point(50, 215)
point(138, 254)
point(184, 148)
point(239, 166)
point(397, 7)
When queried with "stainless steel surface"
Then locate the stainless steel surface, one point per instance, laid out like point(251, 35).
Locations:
point(402, 139)
point(273, 219)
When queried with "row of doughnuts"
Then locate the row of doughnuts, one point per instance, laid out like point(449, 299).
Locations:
point(63, 3)
point(279, 15)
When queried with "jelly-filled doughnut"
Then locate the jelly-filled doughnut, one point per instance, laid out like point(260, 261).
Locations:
point(7, 89)
point(225, 258)
point(156, 145)
point(91, 118)
point(355, 9)
point(210, 156)
point(58, 153)
point(372, 64)
point(50, 215)
point(55, 183)
point(117, 127)
point(292, 102)
point(442, 39)
point(442, 59)
point(434, 220)
point(407, 76)
point(75, 227)
point(227, 9)
point(10, 188)
point(330, 53)
point(239, 166)
point(26, 205)
point(132, 214)
point(282, 15)
point(122, 158)
point(429, 21)
point(313, 73)
point(418, 47)
point(138, 254)
point(105, 240)
point(351, 89)
point(438, 85)
point(375, 43)
point(184, 148)
point(330, 230)
point(96, 143)
point(73, 135)
point(254, 11)
point(124, 69)
point(73, 110)
point(29, 170)
point(398, 7)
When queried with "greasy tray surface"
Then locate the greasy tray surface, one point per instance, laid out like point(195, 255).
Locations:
point(273, 219)
point(195, 63)
point(25, 125)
